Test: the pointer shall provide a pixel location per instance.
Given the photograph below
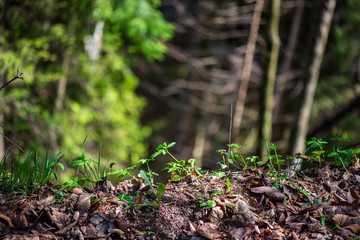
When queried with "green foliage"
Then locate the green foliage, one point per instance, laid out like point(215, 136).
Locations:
point(30, 174)
point(275, 157)
point(99, 95)
point(344, 157)
point(178, 168)
point(91, 170)
point(206, 199)
point(316, 154)
point(206, 202)
point(232, 157)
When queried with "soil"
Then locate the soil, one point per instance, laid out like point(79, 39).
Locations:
point(317, 203)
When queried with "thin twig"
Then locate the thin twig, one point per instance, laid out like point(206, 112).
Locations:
point(18, 76)
point(8, 139)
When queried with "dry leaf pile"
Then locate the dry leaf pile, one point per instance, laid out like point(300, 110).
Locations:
point(317, 203)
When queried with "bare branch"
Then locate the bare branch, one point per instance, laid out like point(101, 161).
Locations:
point(18, 76)
point(8, 139)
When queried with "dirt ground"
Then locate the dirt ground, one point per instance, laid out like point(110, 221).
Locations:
point(317, 203)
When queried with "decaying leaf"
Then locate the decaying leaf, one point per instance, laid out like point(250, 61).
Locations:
point(341, 220)
point(216, 215)
point(209, 231)
point(271, 192)
point(244, 213)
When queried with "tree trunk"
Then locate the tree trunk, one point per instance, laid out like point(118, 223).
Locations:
point(268, 99)
point(246, 71)
point(2, 138)
point(284, 71)
point(305, 110)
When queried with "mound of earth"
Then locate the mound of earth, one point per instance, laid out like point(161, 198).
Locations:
point(317, 203)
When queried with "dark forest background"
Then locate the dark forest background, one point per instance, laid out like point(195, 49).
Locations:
point(136, 73)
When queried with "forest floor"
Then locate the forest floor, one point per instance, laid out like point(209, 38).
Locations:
point(317, 203)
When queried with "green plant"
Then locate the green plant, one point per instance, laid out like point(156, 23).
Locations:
point(319, 154)
point(219, 174)
point(232, 157)
point(91, 170)
point(160, 149)
point(255, 160)
point(71, 184)
point(207, 202)
point(323, 219)
point(229, 187)
point(275, 173)
point(343, 156)
point(303, 191)
point(30, 174)
point(59, 195)
point(139, 201)
point(178, 168)
point(160, 188)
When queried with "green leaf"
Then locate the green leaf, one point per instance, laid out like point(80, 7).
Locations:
point(146, 179)
point(171, 144)
point(333, 154)
point(160, 191)
point(211, 203)
point(200, 196)
point(192, 162)
point(61, 165)
point(176, 178)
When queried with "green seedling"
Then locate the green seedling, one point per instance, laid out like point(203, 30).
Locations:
point(160, 192)
point(229, 187)
point(343, 157)
point(270, 157)
point(178, 168)
point(59, 195)
point(255, 160)
point(149, 181)
point(138, 202)
point(219, 174)
point(323, 219)
point(91, 169)
point(71, 184)
point(277, 157)
point(161, 149)
point(207, 202)
point(160, 189)
point(303, 191)
point(125, 198)
point(319, 154)
point(232, 156)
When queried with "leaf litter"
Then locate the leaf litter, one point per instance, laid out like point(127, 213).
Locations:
point(317, 203)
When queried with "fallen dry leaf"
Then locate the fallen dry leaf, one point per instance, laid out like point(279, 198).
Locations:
point(271, 192)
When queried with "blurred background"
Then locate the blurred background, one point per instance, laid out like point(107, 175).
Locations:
point(136, 73)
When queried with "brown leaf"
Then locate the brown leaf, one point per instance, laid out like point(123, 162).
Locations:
point(83, 203)
point(209, 231)
point(271, 192)
point(341, 220)
point(20, 219)
point(216, 215)
point(124, 225)
point(355, 228)
point(241, 233)
point(58, 218)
